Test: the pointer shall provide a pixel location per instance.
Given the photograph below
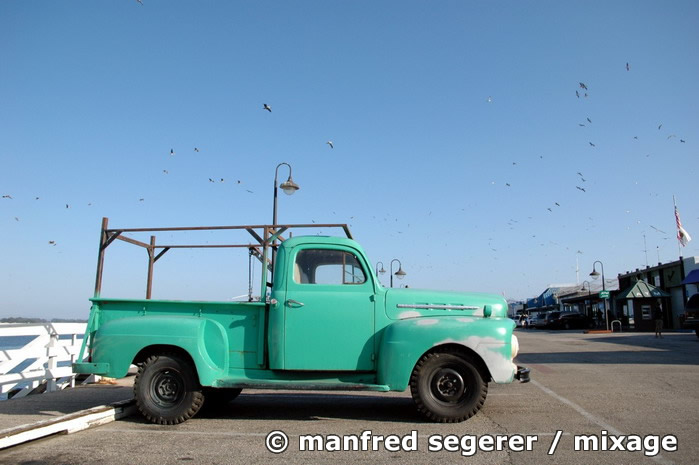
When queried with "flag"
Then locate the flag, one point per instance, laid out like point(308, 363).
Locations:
point(682, 235)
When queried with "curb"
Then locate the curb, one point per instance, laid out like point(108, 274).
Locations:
point(67, 424)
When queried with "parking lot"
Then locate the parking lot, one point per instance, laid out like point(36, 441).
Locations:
point(623, 391)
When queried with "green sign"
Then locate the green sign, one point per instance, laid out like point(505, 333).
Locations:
point(604, 294)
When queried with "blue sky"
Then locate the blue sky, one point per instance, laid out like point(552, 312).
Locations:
point(433, 108)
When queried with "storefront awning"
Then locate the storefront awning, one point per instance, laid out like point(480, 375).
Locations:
point(692, 277)
point(642, 290)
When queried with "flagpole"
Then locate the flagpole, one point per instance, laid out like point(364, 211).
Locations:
point(679, 243)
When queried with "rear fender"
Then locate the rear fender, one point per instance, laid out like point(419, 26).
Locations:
point(405, 341)
point(118, 342)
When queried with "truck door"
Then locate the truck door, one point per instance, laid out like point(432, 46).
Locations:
point(329, 311)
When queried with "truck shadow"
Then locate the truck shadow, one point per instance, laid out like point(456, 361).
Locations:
point(314, 407)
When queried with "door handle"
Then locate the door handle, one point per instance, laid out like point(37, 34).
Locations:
point(292, 303)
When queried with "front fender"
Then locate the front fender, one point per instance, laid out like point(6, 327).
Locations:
point(118, 342)
point(405, 341)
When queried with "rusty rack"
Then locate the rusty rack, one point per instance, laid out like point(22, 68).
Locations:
point(265, 236)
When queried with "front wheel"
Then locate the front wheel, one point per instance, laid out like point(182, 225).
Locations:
point(447, 387)
point(167, 390)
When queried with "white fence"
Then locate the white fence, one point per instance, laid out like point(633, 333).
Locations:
point(31, 354)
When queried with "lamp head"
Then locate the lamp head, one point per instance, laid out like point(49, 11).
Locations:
point(289, 186)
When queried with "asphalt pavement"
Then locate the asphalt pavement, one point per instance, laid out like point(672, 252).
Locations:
point(600, 391)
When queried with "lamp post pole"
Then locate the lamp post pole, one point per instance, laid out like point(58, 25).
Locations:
point(589, 292)
point(400, 273)
point(594, 275)
point(379, 270)
point(289, 187)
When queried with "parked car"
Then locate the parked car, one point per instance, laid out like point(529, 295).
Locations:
point(571, 320)
point(543, 320)
point(690, 318)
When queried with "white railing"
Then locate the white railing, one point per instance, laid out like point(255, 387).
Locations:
point(43, 353)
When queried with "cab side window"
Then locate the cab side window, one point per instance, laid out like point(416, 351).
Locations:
point(324, 266)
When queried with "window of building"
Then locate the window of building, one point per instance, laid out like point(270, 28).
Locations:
point(325, 266)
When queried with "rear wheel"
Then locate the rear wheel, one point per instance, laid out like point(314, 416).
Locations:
point(447, 387)
point(167, 390)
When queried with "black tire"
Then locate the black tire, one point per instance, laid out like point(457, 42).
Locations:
point(167, 390)
point(447, 387)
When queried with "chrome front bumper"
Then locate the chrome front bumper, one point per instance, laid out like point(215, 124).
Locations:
point(522, 374)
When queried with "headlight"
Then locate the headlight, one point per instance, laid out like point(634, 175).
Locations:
point(515, 346)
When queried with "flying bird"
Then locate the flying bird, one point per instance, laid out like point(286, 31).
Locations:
point(589, 120)
point(140, 1)
point(671, 135)
point(581, 125)
point(52, 242)
point(592, 144)
point(577, 94)
point(172, 152)
point(582, 179)
point(7, 197)
point(682, 140)
point(635, 137)
point(248, 190)
point(583, 86)
point(508, 184)
point(67, 206)
point(330, 143)
point(165, 171)
point(627, 66)
point(580, 188)
point(211, 180)
point(196, 149)
point(580, 174)
point(660, 126)
point(549, 209)
point(557, 204)
point(266, 107)
point(141, 200)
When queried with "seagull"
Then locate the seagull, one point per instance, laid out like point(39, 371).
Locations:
point(330, 143)
point(635, 137)
point(266, 107)
point(248, 190)
point(577, 94)
point(196, 149)
point(549, 209)
point(660, 126)
point(165, 171)
point(580, 174)
point(592, 144)
point(589, 120)
point(683, 141)
point(583, 86)
point(7, 197)
point(671, 135)
point(172, 152)
point(581, 125)
point(580, 188)
point(222, 180)
point(141, 200)
point(508, 184)
point(211, 180)
point(490, 99)
point(16, 219)
point(582, 179)
point(557, 204)
point(52, 242)
point(627, 66)
point(67, 206)
point(36, 198)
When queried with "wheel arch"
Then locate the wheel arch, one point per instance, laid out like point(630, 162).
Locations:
point(459, 349)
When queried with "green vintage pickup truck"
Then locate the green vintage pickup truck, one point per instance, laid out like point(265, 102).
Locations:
point(323, 321)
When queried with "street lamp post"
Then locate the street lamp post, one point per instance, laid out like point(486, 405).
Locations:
point(382, 271)
point(289, 187)
point(589, 292)
point(400, 273)
point(595, 275)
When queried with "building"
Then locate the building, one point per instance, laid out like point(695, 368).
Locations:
point(644, 289)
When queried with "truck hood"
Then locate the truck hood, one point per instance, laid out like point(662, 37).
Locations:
point(412, 303)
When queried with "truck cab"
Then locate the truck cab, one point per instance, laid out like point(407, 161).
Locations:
point(323, 322)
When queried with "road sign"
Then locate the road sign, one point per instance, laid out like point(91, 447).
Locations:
point(604, 294)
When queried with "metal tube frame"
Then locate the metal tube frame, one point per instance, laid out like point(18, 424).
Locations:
point(260, 249)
